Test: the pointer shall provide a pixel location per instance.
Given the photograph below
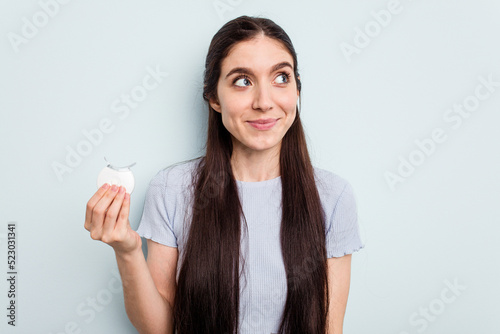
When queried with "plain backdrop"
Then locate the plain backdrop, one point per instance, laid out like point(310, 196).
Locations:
point(401, 98)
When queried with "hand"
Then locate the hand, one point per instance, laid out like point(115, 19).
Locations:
point(107, 219)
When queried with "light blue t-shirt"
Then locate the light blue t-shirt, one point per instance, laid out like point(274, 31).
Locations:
point(263, 286)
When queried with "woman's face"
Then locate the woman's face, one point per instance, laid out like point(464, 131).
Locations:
point(257, 83)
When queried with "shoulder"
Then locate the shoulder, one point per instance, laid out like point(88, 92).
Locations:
point(176, 176)
point(330, 184)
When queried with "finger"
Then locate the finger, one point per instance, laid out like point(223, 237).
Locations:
point(122, 221)
point(92, 202)
point(99, 211)
point(112, 215)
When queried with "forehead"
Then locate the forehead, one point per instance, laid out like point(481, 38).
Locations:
point(260, 53)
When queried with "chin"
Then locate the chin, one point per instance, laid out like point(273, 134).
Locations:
point(263, 147)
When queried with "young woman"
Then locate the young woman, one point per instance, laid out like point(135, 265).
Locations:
point(250, 237)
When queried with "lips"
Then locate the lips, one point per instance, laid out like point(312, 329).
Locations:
point(263, 124)
point(264, 121)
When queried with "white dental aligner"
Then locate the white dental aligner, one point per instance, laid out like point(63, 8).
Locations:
point(121, 176)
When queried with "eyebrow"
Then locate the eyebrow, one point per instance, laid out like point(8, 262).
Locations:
point(248, 71)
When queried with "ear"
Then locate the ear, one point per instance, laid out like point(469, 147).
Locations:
point(215, 105)
point(298, 92)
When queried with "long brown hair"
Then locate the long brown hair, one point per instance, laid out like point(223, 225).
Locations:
point(207, 294)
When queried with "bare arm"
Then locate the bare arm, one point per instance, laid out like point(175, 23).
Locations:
point(339, 278)
point(107, 220)
point(148, 310)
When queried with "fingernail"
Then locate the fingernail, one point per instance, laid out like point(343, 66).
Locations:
point(105, 186)
point(127, 196)
point(114, 187)
point(122, 190)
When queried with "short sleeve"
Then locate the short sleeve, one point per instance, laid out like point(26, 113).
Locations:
point(342, 235)
point(155, 222)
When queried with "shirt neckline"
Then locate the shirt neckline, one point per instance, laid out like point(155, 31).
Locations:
point(258, 184)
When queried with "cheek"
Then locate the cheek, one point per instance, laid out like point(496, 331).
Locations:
point(288, 102)
point(231, 109)
point(233, 105)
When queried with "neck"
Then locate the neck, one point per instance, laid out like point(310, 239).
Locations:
point(255, 166)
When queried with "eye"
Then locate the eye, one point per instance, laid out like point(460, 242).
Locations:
point(282, 78)
point(242, 81)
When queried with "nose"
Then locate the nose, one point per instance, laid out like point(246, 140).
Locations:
point(262, 98)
